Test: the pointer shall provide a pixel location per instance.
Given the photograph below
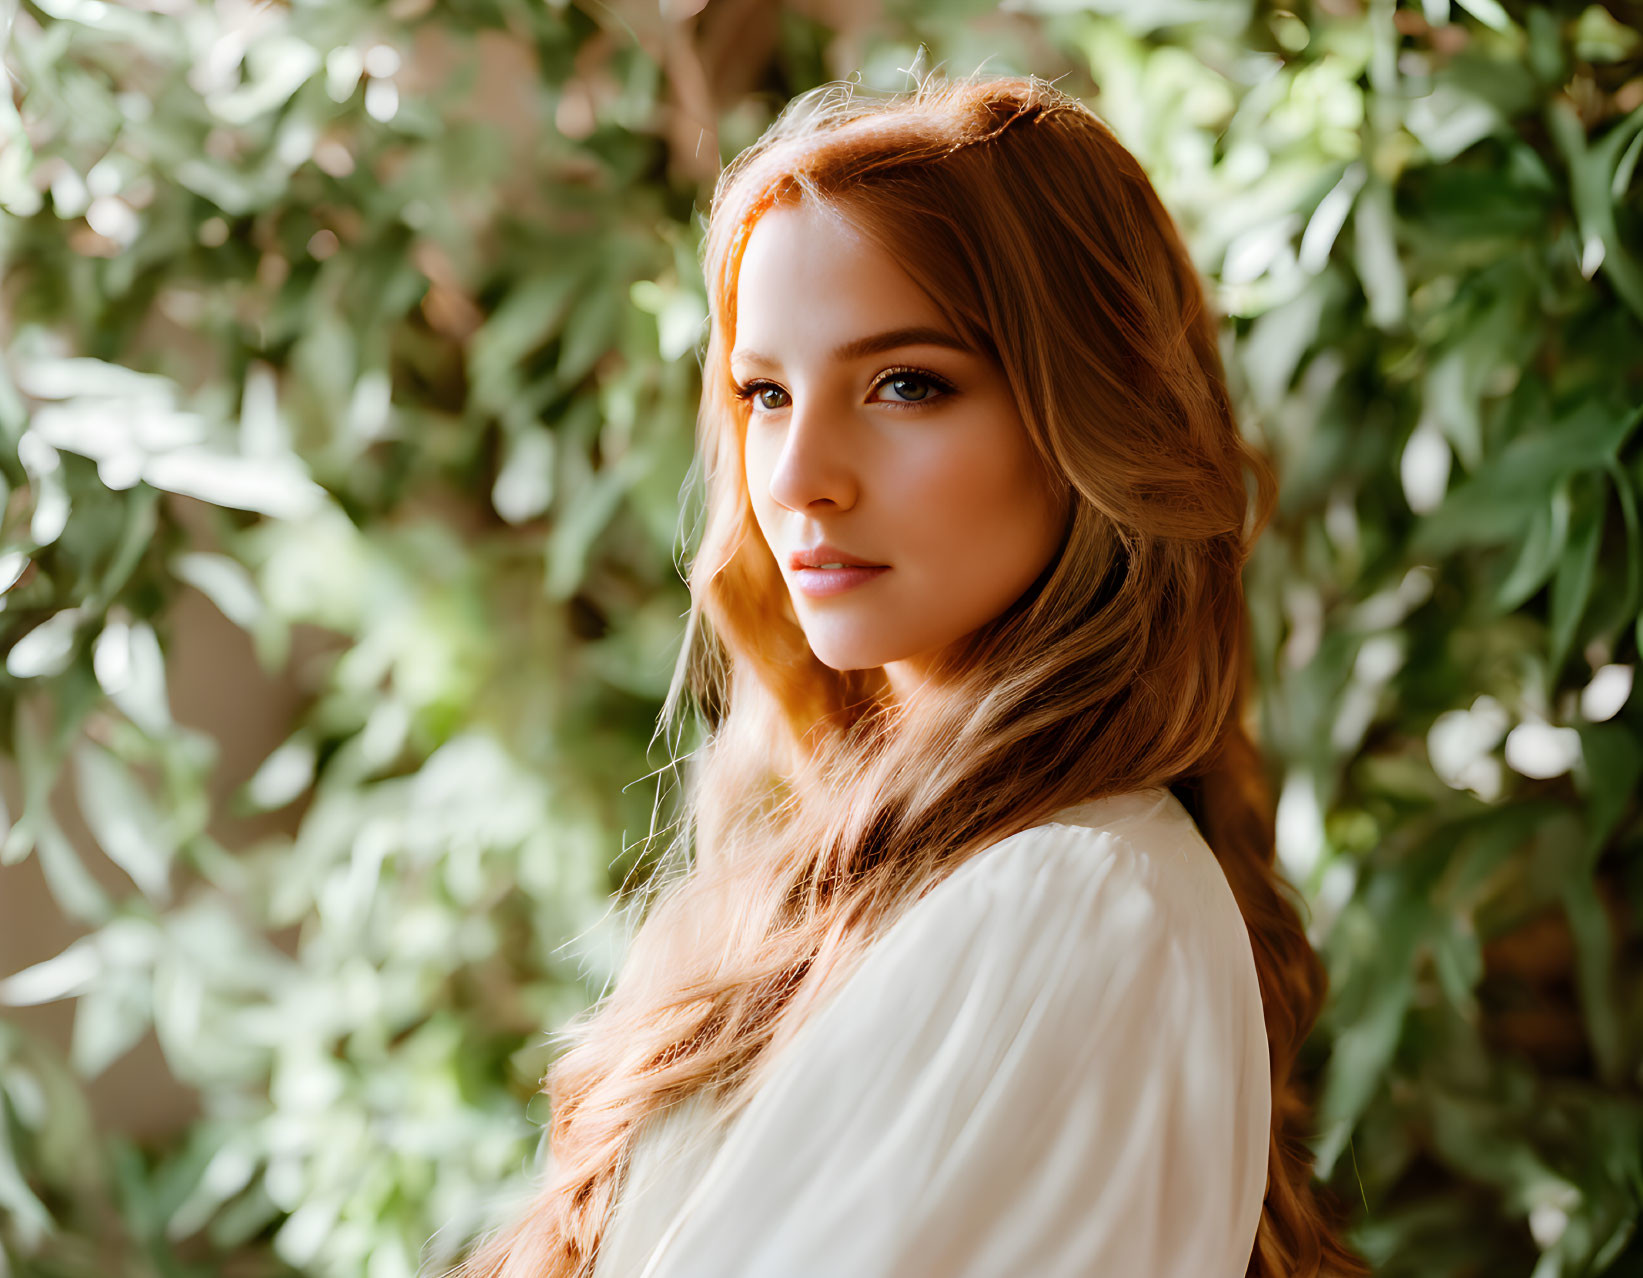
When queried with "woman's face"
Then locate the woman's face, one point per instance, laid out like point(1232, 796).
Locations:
point(874, 431)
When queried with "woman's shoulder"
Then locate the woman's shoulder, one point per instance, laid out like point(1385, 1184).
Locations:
point(1113, 917)
point(1139, 851)
point(1122, 886)
point(1167, 854)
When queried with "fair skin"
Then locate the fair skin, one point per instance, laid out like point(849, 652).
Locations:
point(912, 456)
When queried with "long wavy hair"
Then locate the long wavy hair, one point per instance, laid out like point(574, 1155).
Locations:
point(818, 808)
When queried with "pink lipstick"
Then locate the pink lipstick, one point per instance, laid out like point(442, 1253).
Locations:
point(824, 570)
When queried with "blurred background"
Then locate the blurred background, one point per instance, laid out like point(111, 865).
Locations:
point(348, 364)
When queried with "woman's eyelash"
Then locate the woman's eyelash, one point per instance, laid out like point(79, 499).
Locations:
point(747, 391)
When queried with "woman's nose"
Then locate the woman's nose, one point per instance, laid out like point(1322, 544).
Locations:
point(814, 463)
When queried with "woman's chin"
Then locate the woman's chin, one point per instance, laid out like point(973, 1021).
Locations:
point(842, 655)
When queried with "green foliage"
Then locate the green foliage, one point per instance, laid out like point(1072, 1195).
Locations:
point(377, 324)
point(411, 380)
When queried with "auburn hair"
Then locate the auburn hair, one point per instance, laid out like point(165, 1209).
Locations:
point(817, 808)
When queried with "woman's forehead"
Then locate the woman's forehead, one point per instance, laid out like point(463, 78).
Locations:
point(814, 283)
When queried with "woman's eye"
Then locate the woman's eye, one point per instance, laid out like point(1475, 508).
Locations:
point(923, 385)
point(753, 390)
point(911, 390)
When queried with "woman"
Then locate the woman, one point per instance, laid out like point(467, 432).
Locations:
point(982, 967)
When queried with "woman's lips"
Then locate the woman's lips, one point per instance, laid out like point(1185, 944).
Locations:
point(818, 583)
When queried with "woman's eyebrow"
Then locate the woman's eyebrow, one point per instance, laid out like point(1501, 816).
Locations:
point(874, 344)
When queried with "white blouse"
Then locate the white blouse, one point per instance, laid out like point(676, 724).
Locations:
point(1054, 1063)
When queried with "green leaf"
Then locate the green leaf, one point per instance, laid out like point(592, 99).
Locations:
point(1592, 168)
point(1627, 493)
point(124, 821)
point(1541, 549)
point(1594, 960)
point(1612, 765)
point(108, 1021)
point(531, 313)
point(1364, 1047)
point(78, 894)
point(27, 1215)
point(1572, 585)
point(1457, 958)
point(1493, 504)
point(1361, 1053)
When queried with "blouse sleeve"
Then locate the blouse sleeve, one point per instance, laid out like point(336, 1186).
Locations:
point(1053, 1064)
